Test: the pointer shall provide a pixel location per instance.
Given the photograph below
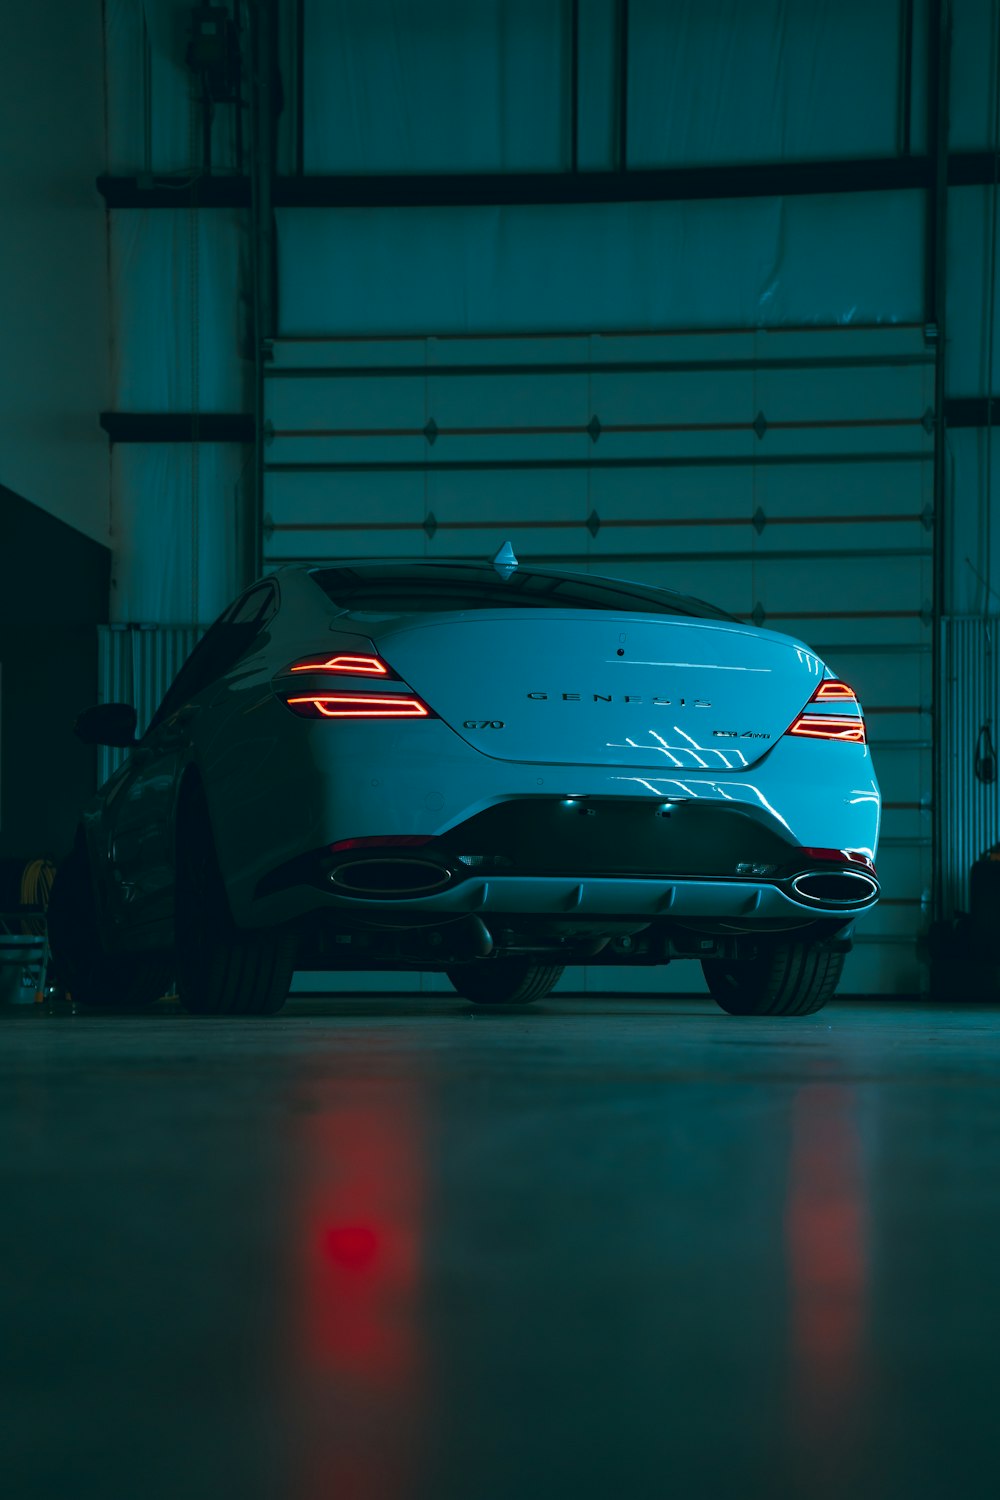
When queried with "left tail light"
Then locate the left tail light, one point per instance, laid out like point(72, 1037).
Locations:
point(359, 706)
point(343, 665)
point(317, 699)
point(823, 725)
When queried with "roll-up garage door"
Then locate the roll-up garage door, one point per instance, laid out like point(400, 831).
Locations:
point(785, 475)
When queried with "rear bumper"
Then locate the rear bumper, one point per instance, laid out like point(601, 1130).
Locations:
point(643, 899)
point(421, 779)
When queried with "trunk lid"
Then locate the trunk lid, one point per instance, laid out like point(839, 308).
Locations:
point(590, 688)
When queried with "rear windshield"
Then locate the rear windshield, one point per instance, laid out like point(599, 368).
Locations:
point(406, 588)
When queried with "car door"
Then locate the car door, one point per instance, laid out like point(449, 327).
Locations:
point(140, 811)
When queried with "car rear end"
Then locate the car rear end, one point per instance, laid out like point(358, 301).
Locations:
point(597, 771)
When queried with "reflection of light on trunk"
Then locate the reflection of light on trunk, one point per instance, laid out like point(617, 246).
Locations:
point(825, 1231)
point(355, 1284)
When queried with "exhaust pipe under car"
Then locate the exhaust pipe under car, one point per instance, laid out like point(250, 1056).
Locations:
point(842, 888)
point(389, 876)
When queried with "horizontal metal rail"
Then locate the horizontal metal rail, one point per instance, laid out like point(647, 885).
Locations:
point(518, 465)
point(749, 366)
point(492, 189)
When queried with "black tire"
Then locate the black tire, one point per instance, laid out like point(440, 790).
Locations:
point(785, 979)
point(504, 981)
point(89, 975)
point(222, 969)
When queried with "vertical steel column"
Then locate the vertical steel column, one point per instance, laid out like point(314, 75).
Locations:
point(904, 109)
point(300, 95)
point(263, 40)
point(623, 85)
point(935, 295)
point(574, 85)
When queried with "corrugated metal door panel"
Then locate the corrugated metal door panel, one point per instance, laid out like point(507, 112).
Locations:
point(856, 491)
point(903, 775)
point(328, 403)
point(463, 504)
point(671, 398)
point(716, 347)
point(887, 341)
point(909, 821)
point(726, 581)
point(971, 651)
point(786, 475)
point(820, 585)
point(857, 394)
point(905, 871)
point(514, 400)
point(884, 679)
point(136, 664)
point(883, 969)
point(695, 495)
point(896, 916)
point(886, 733)
point(884, 533)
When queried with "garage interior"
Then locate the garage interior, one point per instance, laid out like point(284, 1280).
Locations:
point(699, 295)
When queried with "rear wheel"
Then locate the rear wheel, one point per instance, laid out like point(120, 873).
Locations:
point(222, 970)
point(785, 979)
point(505, 981)
point(89, 975)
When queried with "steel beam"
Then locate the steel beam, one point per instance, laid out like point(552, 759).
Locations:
point(239, 427)
point(178, 427)
point(458, 189)
point(972, 411)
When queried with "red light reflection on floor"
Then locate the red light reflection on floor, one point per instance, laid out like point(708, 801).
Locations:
point(355, 1283)
point(826, 1237)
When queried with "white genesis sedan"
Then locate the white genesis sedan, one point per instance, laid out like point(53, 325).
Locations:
point(483, 770)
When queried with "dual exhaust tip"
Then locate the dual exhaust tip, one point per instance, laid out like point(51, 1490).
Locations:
point(390, 875)
point(843, 889)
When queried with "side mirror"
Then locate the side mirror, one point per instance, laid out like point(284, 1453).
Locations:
point(107, 724)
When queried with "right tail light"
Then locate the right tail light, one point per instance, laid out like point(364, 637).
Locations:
point(849, 727)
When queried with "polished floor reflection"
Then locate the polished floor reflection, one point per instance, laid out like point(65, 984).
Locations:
point(382, 1249)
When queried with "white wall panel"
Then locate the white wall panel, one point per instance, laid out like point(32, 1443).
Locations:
point(154, 120)
point(53, 264)
point(180, 333)
point(739, 264)
point(396, 85)
point(445, 85)
point(723, 81)
point(178, 514)
point(973, 219)
point(179, 345)
point(974, 74)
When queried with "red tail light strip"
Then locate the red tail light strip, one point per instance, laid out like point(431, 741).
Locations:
point(383, 841)
point(360, 666)
point(833, 688)
point(828, 727)
point(841, 856)
point(359, 706)
point(831, 726)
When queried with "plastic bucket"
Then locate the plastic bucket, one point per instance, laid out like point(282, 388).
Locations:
point(20, 963)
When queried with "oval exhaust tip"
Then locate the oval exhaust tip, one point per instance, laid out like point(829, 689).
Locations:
point(390, 877)
point(842, 888)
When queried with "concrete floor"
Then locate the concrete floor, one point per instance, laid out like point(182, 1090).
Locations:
point(382, 1249)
